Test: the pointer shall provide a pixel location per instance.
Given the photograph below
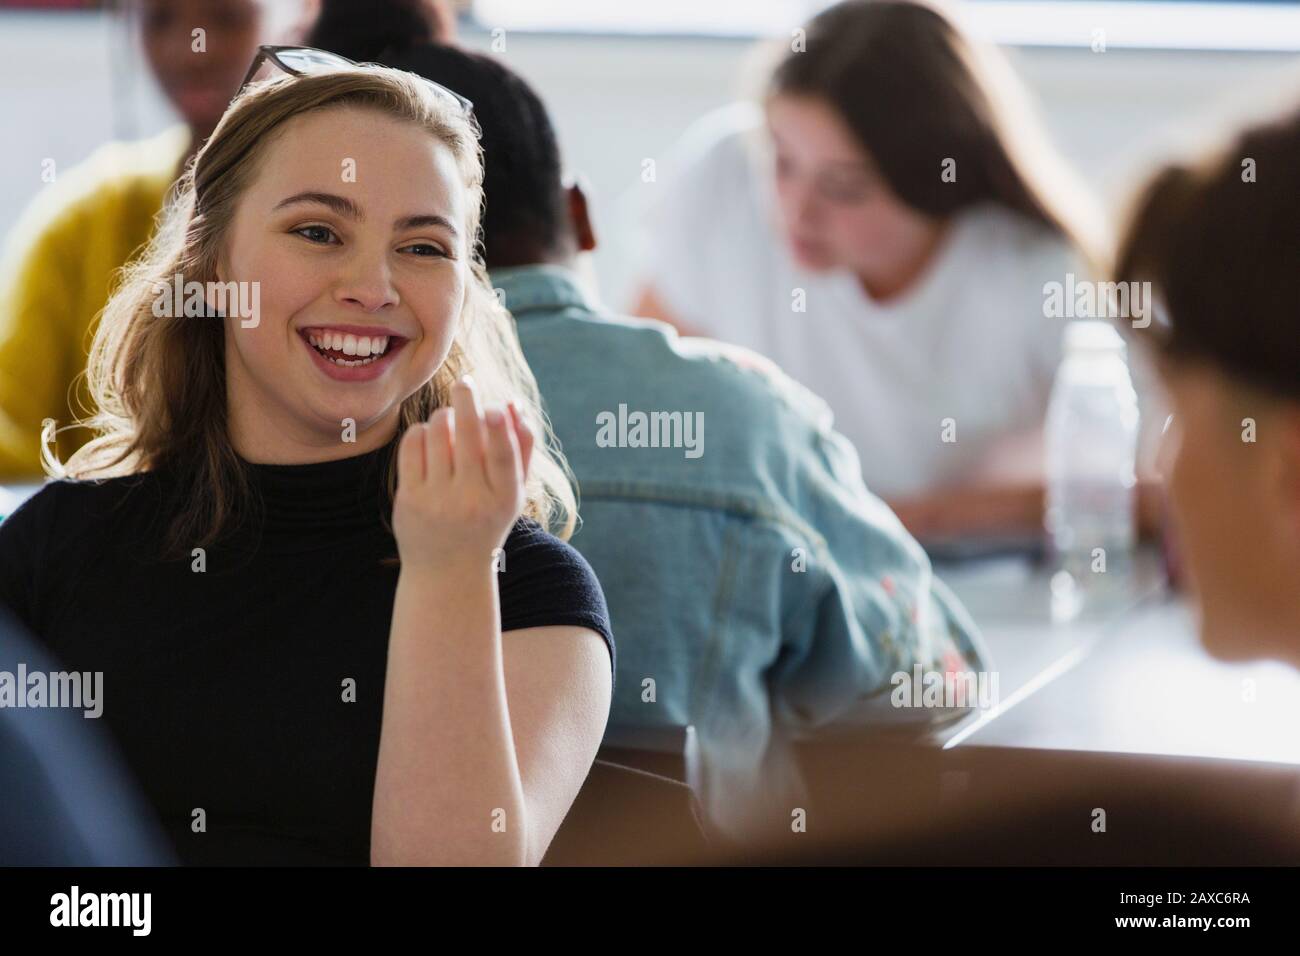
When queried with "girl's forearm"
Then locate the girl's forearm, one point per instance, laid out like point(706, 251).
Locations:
point(1016, 509)
point(973, 510)
point(447, 787)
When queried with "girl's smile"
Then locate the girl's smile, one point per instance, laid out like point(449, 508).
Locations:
point(351, 353)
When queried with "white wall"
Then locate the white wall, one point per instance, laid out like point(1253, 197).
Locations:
point(68, 82)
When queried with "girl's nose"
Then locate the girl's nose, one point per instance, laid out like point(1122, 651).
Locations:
point(369, 286)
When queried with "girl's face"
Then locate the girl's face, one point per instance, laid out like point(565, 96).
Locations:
point(200, 72)
point(1235, 488)
point(837, 210)
point(354, 229)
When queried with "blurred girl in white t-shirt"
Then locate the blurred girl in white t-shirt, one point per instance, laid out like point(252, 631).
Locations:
point(883, 227)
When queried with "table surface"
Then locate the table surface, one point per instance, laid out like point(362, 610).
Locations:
point(1131, 680)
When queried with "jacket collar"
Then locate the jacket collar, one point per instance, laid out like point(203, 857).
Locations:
point(540, 288)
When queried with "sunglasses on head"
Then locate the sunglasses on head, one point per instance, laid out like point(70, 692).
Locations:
point(305, 61)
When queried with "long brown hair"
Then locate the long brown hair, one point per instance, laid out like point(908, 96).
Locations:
point(1219, 240)
point(159, 383)
point(915, 91)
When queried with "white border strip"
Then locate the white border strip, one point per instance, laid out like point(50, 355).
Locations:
point(1058, 23)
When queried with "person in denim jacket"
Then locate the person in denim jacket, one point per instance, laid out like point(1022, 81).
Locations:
point(760, 592)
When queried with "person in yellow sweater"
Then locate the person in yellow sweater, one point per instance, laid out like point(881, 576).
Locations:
point(56, 276)
point(61, 259)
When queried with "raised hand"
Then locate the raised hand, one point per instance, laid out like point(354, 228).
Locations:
point(460, 483)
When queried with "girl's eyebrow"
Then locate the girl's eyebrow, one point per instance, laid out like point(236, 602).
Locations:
point(846, 164)
point(417, 222)
point(346, 207)
point(340, 204)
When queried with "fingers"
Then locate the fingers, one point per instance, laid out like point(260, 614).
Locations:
point(502, 459)
point(496, 444)
point(470, 439)
point(523, 437)
point(439, 442)
point(410, 457)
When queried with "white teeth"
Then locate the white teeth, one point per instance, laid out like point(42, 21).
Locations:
point(365, 347)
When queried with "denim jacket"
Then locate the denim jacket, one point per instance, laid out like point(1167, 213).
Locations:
point(758, 591)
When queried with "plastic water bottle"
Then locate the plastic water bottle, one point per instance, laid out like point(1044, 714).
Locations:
point(1091, 439)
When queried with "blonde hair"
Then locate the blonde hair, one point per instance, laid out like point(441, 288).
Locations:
point(159, 382)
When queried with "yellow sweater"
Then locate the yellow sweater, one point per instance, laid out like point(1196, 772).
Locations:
point(59, 267)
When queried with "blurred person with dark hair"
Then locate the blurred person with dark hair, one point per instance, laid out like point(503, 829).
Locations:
point(882, 225)
point(362, 31)
point(1219, 239)
point(761, 592)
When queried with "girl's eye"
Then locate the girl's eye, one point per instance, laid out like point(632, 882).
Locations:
point(321, 235)
point(424, 250)
point(844, 192)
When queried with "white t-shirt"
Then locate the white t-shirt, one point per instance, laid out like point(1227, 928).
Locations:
point(967, 354)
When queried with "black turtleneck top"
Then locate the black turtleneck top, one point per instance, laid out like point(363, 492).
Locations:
point(226, 689)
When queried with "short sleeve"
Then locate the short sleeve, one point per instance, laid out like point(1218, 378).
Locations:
point(545, 582)
point(691, 234)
